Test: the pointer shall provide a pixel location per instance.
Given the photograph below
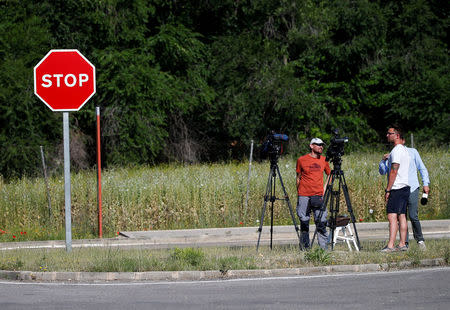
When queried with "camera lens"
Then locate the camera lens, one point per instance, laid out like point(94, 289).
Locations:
point(424, 199)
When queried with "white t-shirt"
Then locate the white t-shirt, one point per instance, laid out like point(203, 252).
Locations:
point(399, 155)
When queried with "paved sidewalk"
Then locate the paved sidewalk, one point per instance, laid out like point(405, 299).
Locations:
point(235, 236)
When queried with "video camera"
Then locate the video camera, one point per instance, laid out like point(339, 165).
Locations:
point(336, 148)
point(273, 146)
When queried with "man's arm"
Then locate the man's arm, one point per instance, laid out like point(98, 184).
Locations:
point(392, 176)
point(326, 184)
point(327, 168)
point(299, 176)
point(423, 172)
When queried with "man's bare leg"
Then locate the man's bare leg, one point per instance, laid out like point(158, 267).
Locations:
point(403, 229)
point(393, 229)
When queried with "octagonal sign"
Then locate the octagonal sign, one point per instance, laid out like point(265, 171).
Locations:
point(64, 80)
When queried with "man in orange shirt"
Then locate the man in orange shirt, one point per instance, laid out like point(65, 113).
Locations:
point(310, 169)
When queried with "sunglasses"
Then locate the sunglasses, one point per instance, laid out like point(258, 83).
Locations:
point(318, 144)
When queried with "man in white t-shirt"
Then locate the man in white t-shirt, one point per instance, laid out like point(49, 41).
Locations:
point(397, 190)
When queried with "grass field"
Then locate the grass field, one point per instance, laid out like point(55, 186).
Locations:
point(192, 196)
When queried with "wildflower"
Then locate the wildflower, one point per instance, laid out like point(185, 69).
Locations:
point(241, 223)
point(14, 236)
point(361, 220)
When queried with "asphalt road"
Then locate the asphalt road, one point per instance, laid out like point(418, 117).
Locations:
point(410, 289)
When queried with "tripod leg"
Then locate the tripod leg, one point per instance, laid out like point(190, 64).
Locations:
point(326, 197)
point(334, 211)
point(272, 200)
point(291, 211)
point(350, 209)
point(263, 210)
point(315, 230)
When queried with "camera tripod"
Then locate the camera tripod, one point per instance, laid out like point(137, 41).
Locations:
point(270, 196)
point(335, 195)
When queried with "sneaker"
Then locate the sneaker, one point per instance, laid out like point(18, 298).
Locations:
point(422, 245)
point(402, 248)
point(386, 249)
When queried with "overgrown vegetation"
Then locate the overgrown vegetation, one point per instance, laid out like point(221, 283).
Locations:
point(318, 256)
point(194, 81)
point(193, 196)
point(222, 259)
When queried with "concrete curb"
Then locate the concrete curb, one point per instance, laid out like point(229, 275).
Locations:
point(75, 277)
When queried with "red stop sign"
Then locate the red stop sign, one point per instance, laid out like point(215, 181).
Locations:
point(64, 80)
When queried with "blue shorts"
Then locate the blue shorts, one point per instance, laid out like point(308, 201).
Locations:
point(398, 200)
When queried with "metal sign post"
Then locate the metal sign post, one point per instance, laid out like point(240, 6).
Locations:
point(248, 179)
point(67, 181)
point(99, 176)
point(44, 168)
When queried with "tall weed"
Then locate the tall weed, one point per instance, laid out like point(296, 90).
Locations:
point(194, 196)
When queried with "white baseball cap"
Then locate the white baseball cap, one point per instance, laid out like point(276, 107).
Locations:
point(316, 141)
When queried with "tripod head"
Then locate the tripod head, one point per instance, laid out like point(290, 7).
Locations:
point(273, 147)
point(337, 162)
point(274, 159)
point(336, 150)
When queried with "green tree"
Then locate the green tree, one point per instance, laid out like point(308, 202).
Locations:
point(25, 123)
point(196, 80)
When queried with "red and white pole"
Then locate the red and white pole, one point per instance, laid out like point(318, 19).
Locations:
point(99, 176)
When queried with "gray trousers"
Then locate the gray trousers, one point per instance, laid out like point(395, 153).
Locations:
point(304, 210)
point(413, 214)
